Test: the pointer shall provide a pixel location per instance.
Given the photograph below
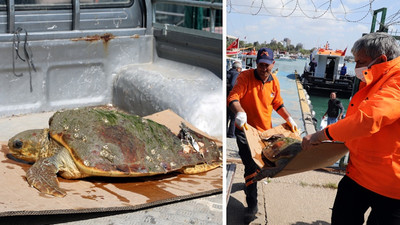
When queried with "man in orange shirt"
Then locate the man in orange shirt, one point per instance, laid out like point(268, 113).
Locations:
point(252, 99)
point(371, 132)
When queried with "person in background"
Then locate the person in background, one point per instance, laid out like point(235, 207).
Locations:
point(312, 65)
point(330, 69)
point(252, 99)
point(335, 109)
point(231, 77)
point(370, 131)
point(343, 70)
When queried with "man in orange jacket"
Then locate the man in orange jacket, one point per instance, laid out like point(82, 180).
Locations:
point(371, 132)
point(252, 99)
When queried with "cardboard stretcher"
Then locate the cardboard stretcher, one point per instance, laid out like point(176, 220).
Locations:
point(319, 156)
point(101, 194)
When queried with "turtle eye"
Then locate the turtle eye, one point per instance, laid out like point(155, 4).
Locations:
point(18, 144)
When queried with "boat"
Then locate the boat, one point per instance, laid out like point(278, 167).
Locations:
point(233, 49)
point(286, 58)
point(249, 59)
point(232, 52)
point(326, 77)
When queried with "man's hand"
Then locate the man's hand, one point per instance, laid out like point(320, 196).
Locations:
point(241, 119)
point(313, 139)
point(292, 124)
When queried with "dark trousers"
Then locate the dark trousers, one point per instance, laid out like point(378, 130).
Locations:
point(353, 200)
point(250, 167)
point(231, 123)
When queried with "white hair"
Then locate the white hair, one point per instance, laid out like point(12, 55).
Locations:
point(237, 64)
point(376, 44)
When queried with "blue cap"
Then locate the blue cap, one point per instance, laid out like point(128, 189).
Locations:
point(265, 55)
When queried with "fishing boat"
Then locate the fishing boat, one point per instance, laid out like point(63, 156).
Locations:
point(284, 56)
point(232, 52)
point(233, 49)
point(327, 77)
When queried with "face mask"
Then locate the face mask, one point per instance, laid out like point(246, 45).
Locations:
point(359, 70)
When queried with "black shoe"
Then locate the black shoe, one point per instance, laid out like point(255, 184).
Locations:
point(231, 136)
point(250, 214)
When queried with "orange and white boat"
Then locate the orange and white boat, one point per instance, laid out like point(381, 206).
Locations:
point(326, 76)
point(233, 49)
point(249, 59)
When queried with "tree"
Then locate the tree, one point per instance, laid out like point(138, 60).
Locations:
point(299, 46)
point(287, 41)
point(241, 43)
point(256, 45)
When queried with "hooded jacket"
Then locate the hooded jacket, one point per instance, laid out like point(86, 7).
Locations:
point(371, 130)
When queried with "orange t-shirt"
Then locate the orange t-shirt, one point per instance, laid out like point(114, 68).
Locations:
point(371, 131)
point(257, 98)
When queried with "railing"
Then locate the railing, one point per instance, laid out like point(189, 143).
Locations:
point(213, 6)
point(72, 15)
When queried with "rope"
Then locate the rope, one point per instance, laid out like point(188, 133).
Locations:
point(27, 54)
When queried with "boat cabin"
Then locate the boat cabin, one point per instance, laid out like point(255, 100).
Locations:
point(326, 76)
point(328, 65)
point(249, 59)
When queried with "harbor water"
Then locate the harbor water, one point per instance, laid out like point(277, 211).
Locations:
point(319, 102)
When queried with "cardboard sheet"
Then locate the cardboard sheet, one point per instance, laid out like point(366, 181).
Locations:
point(322, 155)
point(98, 194)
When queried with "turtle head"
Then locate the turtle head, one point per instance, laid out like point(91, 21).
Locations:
point(28, 144)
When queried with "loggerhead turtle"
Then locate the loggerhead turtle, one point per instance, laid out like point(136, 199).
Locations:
point(103, 142)
point(277, 154)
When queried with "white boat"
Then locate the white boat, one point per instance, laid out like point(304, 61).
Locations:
point(233, 49)
point(326, 76)
point(286, 58)
point(249, 59)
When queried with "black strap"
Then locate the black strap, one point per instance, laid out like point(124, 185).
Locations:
point(327, 134)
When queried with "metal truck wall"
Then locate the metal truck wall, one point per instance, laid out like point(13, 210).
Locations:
point(193, 47)
point(70, 73)
point(123, 71)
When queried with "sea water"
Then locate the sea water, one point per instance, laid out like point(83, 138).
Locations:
point(319, 103)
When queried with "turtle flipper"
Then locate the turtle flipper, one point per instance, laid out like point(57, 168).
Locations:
point(199, 168)
point(272, 171)
point(43, 176)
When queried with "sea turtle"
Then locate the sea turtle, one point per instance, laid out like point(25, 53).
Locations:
point(277, 154)
point(106, 142)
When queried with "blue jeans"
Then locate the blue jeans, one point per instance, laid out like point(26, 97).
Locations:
point(332, 120)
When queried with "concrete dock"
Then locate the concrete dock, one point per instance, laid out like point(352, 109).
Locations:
point(301, 199)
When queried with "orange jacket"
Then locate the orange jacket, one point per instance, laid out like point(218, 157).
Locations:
point(257, 98)
point(371, 131)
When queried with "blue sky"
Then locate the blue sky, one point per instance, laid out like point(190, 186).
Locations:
point(339, 24)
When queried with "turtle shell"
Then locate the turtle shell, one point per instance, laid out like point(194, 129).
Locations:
point(280, 147)
point(107, 142)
